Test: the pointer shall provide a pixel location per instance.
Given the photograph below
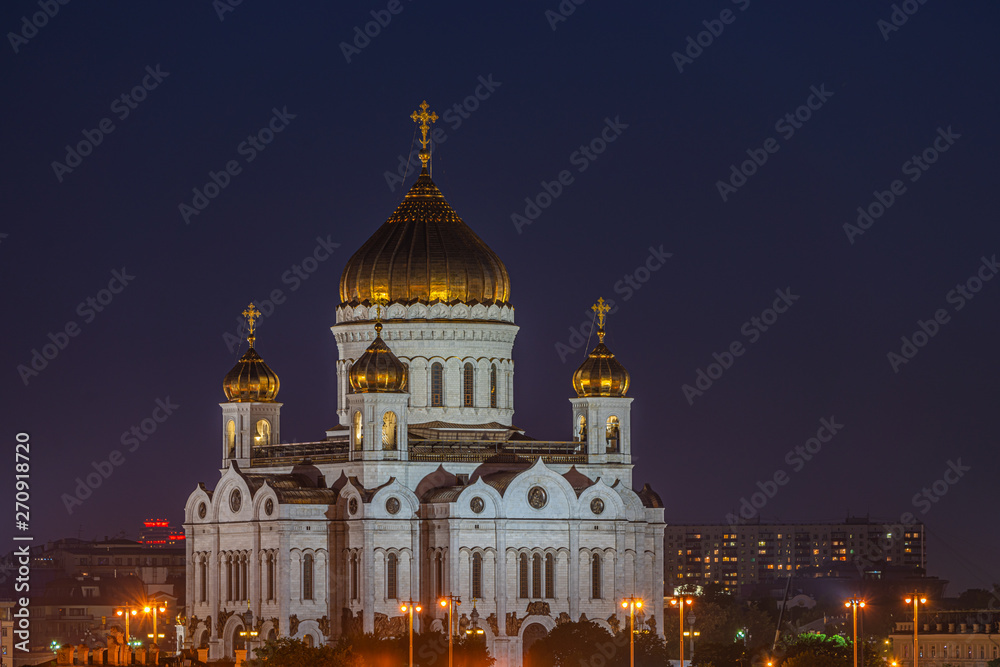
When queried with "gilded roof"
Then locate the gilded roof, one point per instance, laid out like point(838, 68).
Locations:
point(425, 253)
point(251, 380)
point(378, 370)
point(601, 374)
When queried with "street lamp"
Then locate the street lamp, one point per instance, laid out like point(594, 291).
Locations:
point(679, 602)
point(155, 607)
point(854, 603)
point(127, 611)
point(632, 604)
point(248, 630)
point(474, 628)
point(915, 600)
point(451, 601)
point(410, 606)
point(691, 634)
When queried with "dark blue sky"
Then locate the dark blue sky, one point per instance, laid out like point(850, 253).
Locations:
point(878, 98)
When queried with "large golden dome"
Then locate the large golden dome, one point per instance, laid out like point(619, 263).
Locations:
point(424, 253)
point(251, 380)
point(378, 370)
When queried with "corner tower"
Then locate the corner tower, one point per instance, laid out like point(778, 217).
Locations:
point(446, 311)
point(601, 411)
point(251, 416)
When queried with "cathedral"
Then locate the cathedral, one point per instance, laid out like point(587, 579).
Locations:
point(425, 490)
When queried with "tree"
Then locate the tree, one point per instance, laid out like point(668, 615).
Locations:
point(731, 654)
point(287, 652)
point(811, 659)
point(832, 646)
point(577, 644)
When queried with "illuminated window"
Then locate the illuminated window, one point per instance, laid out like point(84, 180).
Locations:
point(467, 385)
point(493, 386)
point(612, 433)
point(359, 434)
point(581, 429)
point(263, 436)
point(231, 439)
point(437, 385)
point(389, 431)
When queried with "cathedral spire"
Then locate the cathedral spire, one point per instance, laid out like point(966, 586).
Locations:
point(251, 313)
point(601, 308)
point(422, 117)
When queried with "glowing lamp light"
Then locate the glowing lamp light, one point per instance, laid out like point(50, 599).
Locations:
point(444, 603)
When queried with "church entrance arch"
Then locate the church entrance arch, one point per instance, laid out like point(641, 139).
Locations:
point(532, 633)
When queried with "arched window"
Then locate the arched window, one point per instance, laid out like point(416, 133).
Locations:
point(307, 577)
point(522, 576)
point(493, 386)
point(477, 575)
point(270, 576)
point(439, 574)
point(467, 385)
point(236, 577)
point(391, 580)
point(354, 577)
point(263, 436)
point(581, 429)
point(204, 580)
point(536, 576)
point(437, 385)
point(611, 433)
point(389, 431)
point(308, 641)
point(550, 576)
point(245, 576)
point(359, 433)
point(231, 439)
point(595, 577)
point(229, 578)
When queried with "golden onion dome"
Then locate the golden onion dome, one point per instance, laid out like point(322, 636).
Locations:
point(424, 253)
point(251, 380)
point(378, 370)
point(601, 374)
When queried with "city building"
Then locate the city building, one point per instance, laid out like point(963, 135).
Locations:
point(756, 558)
point(158, 533)
point(6, 634)
point(961, 638)
point(425, 488)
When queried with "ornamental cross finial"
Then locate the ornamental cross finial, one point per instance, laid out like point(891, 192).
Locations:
point(422, 117)
point(251, 313)
point(380, 302)
point(601, 308)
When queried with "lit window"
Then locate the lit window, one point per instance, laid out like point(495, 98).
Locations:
point(493, 386)
point(389, 431)
point(437, 385)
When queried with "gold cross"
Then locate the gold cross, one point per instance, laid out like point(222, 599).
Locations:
point(251, 313)
point(422, 118)
point(600, 308)
point(380, 302)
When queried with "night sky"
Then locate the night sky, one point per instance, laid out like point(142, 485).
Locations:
point(743, 157)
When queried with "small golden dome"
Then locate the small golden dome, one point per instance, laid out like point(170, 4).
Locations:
point(251, 380)
point(424, 253)
point(601, 374)
point(378, 370)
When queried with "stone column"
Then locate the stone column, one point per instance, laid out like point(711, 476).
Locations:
point(500, 583)
point(574, 570)
point(367, 577)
